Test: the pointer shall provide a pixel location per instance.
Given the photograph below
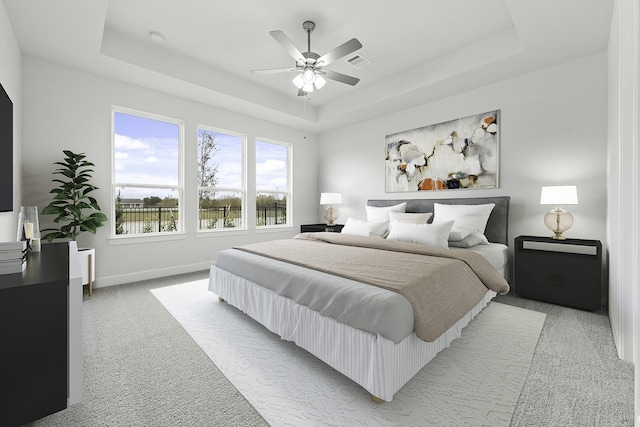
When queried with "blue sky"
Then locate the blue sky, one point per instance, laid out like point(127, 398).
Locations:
point(146, 152)
point(271, 166)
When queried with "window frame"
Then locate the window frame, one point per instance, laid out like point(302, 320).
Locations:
point(179, 188)
point(243, 190)
point(288, 192)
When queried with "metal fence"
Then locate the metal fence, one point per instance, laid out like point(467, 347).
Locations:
point(163, 219)
point(157, 219)
point(220, 217)
point(271, 214)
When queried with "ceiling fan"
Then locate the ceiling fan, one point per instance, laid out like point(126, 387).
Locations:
point(309, 65)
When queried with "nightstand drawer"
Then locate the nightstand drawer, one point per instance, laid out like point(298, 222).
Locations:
point(580, 268)
point(559, 288)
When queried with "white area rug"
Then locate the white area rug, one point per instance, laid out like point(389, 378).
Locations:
point(475, 382)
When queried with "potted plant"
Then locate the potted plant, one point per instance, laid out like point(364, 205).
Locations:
point(75, 210)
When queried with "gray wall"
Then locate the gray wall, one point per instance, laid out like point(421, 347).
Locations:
point(553, 132)
point(65, 108)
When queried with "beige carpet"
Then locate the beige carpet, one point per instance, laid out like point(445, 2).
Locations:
point(477, 381)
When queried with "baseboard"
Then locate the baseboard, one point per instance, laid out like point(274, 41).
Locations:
point(102, 282)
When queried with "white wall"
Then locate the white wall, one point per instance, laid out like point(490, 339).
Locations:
point(621, 176)
point(553, 131)
point(65, 108)
point(624, 184)
point(10, 77)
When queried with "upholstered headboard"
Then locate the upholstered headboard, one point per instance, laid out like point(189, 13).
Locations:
point(497, 226)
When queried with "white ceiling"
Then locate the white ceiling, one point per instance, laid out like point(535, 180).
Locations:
point(419, 50)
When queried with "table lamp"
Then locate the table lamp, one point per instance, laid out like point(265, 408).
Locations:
point(331, 213)
point(559, 220)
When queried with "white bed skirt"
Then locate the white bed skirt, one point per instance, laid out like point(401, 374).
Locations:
point(377, 364)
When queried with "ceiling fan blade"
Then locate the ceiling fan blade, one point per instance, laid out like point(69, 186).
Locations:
point(287, 45)
point(274, 70)
point(301, 92)
point(339, 77)
point(337, 53)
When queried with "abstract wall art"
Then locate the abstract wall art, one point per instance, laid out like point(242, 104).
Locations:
point(453, 155)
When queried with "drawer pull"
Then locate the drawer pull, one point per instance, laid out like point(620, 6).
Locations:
point(555, 279)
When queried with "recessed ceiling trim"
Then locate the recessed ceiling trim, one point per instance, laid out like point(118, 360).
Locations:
point(166, 62)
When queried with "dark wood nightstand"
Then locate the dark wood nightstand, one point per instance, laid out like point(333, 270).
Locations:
point(315, 228)
point(566, 272)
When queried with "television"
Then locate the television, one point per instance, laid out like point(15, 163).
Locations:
point(6, 152)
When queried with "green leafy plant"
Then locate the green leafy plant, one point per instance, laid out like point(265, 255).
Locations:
point(72, 201)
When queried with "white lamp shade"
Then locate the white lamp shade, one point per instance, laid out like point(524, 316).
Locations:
point(319, 82)
point(298, 81)
point(559, 195)
point(330, 198)
point(308, 76)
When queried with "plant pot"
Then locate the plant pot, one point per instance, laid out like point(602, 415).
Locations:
point(88, 263)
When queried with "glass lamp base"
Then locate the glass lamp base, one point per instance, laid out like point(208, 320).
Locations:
point(331, 214)
point(558, 220)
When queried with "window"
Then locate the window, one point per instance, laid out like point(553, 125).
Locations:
point(273, 184)
point(221, 182)
point(147, 183)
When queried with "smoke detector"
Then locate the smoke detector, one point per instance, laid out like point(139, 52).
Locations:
point(156, 37)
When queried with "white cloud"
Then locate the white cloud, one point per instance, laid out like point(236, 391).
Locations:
point(125, 142)
point(271, 166)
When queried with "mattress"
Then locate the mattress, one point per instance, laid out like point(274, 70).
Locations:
point(362, 306)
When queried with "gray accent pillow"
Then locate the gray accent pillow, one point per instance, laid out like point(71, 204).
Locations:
point(470, 241)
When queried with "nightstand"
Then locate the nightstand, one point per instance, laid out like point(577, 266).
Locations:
point(315, 228)
point(565, 272)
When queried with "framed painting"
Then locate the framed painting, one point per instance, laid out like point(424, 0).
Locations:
point(453, 155)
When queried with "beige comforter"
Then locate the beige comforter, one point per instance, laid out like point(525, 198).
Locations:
point(440, 284)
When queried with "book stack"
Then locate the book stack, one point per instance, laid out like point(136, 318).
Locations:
point(13, 257)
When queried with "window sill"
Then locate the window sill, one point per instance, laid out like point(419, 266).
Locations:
point(273, 228)
point(205, 234)
point(132, 240)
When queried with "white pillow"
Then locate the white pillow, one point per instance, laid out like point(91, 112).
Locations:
point(359, 227)
point(424, 234)
point(416, 218)
point(460, 232)
point(467, 218)
point(375, 213)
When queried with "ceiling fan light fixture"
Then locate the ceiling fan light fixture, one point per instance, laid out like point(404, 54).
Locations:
point(298, 81)
point(319, 81)
point(309, 76)
point(308, 87)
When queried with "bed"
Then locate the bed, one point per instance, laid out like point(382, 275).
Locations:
point(378, 336)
